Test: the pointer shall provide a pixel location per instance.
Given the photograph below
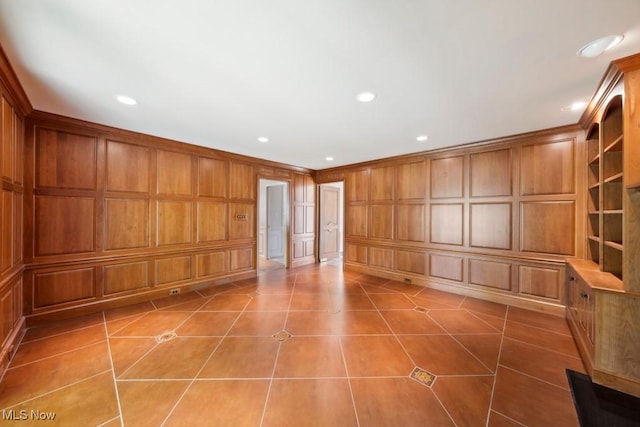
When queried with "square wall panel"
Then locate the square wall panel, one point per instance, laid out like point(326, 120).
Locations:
point(446, 224)
point(548, 168)
point(447, 177)
point(491, 225)
point(548, 227)
point(174, 223)
point(127, 167)
point(491, 173)
point(411, 181)
point(127, 224)
point(174, 173)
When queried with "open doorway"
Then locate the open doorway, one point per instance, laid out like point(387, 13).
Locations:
point(331, 222)
point(273, 225)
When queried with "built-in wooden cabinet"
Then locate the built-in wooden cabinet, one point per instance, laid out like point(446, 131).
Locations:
point(603, 306)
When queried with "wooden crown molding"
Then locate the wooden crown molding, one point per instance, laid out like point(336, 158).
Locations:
point(11, 84)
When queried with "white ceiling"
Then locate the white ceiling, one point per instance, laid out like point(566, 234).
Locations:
point(220, 73)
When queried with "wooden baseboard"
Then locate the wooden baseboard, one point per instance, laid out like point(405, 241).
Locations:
point(8, 350)
point(554, 309)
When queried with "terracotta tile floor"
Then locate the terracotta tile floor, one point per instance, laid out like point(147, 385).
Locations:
point(310, 346)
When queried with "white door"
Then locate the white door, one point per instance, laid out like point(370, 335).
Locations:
point(275, 221)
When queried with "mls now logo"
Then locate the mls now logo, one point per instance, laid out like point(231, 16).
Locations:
point(24, 415)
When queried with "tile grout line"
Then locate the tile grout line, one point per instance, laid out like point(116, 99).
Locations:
point(275, 362)
point(495, 377)
point(346, 370)
point(113, 370)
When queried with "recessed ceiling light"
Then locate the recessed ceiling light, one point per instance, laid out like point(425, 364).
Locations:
point(263, 139)
point(126, 100)
point(366, 96)
point(329, 159)
point(596, 47)
point(422, 138)
point(576, 106)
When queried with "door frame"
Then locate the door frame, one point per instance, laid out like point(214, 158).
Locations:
point(262, 197)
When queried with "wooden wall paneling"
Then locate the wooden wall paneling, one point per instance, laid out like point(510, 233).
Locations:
point(126, 277)
point(447, 177)
point(490, 173)
point(242, 181)
point(309, 219)
point(6, 231)
point(212, 264)
point(542, 282)
point(356, 221)
point(446, 267)
point(309, 189)
point(7, 146)
point(65, 160)
point(490, 225)
point(447, 223)
point(381, 222)
point(126, 223)
point(356, 253)
point(18, 214)
point(411, 181)
point(18, 301)
point(173, 222)
point(174, 173)
point(380, 257)
point(357, 186)
point(299, 248)
point(127, 167)
point(548, 227)
point(411, 262)
point(309, 248)
point(241, 221)
point(57, 287)
point(491, 274)
point(410, 222)
point(212, 222)
point(382, 181)
point(19, 149)
point(212, 177)
point(64, 225)
point(299, 212)
point(548, 168)
point(241, 259)
point(6, 314)
point(173, 269)
point(299, 192)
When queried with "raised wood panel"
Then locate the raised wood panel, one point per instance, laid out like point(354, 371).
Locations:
point(64, 225)
point(242, 181)
point(298, 219)
point(381, 222)
point(380, 257)
point(309, 219)
point(174, 223)
point(446, 224)
point(19, 149)
point(127, 167)
point(63, 286)
point(356, 253)
point(241, 259)
point(174, 173)
point(490, 273)
point(357, 186)
point(65, 160)
point(548, 168)
point(126, 277)
point(411, 262)
point(446, 267)
point(212, 177)
point(298, 249)
point(309, 248)
point(18, 240)
point(491, 225)
point(6, 231)
point(7, 140)
point(18, 302)
point(548, 227)
point(447, 177)
point(6, 314)
point(309, 189)
point(298, 188)
point(212, 264)
point(241, 221)
point(356, 223)
point(212, 222)
point(382, 183)
point(491, 173)
point(410, 223)
point(540, 282)
point(127, 223)
point(411, 181)
point(173, 269)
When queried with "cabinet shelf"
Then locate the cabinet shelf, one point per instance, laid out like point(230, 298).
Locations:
point(594, 238)
point(613, 212)
point(616, 145)
point(595, 160)
point(614, 245)
point(614, 178)
point(595, 186)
